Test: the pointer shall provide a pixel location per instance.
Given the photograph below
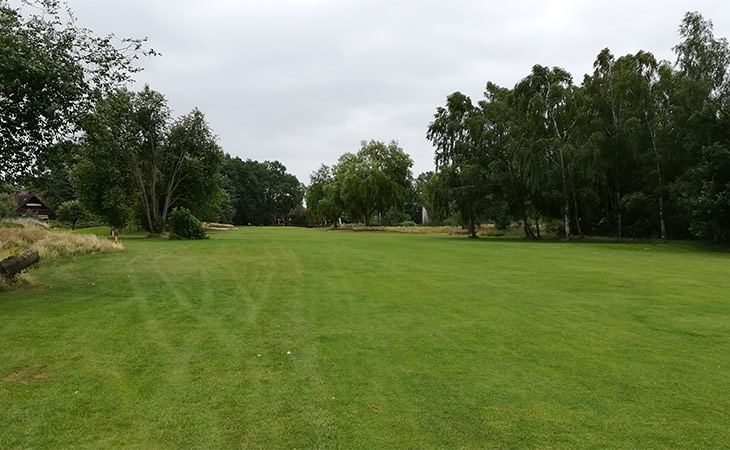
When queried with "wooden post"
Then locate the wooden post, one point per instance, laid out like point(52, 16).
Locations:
point(12, 265)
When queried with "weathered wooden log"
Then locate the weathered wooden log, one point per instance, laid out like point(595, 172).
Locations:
point(12, 265)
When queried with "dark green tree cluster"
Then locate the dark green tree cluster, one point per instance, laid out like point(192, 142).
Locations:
point(135, 162)
point(641, 148)
point(375, 180)
point(261, 193)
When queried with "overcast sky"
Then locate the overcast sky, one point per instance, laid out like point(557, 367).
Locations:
point(303, 81)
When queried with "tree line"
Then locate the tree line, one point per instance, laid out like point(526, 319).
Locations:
point(641, 148)
point(71, 128)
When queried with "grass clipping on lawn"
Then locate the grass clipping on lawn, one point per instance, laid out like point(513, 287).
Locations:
point(50, 243)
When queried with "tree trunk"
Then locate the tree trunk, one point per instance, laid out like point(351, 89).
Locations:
point(12, 265)
point(566, 197)
point(662, 224)
point(526, 225)
point(618, 221)
point(367, 219)
point(528, 230)
point(661, 218)
point(472, 230)
point(607, 207)
point(618, 216)
point(576, 216)
point(537, 227)
point(660, 178)
point(618, 209)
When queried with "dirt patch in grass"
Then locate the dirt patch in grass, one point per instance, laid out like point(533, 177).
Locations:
point(27, 375)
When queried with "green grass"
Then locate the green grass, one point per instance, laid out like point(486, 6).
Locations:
point(396, 340)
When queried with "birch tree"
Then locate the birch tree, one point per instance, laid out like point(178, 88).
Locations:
point(546, 107)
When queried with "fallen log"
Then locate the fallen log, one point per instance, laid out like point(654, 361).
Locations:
point(12, 265)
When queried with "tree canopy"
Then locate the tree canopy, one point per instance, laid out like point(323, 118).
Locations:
point(135, 161)
point(639, 149)
point(374, 180)
point(51, 74)
point(260, 192)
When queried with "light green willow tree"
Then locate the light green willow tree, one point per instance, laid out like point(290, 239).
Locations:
point(375, 179)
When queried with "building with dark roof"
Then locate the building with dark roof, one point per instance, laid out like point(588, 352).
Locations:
point(31, 201)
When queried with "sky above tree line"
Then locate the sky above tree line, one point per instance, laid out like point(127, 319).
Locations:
point(303, 81)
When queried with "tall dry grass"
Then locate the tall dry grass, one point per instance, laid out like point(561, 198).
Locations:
point(50, 243)
point(215, 225)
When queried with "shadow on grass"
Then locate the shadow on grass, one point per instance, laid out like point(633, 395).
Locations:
point(680, 245)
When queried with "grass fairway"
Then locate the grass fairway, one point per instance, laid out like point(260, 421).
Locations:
point(396, 341)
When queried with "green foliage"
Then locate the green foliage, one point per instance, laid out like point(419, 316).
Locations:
point(513, 232)
point(704, 194)
point(324, 204)
point(184, 225)
point(260, 192)
point(6, 188)
point(432, 193)
point(8, 208)
point(638, 149)
point(394, 216)
point(501, 216)
point(71, 212)
point(51, 71)
point(52, 174)
point(375, 179)
point(192, 145)
point(637, 208)
point(297, 217)
point(701, 56)
point(455, 133)
point(136, 163)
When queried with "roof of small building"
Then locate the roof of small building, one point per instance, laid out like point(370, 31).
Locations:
point(23, 197)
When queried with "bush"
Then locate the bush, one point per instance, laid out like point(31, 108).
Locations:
point(502, 220)
point(184, 225)
point(297, 217)
point(393, 217)
point(638, 211)
point(8, 209)
point(555, 226)
point(506, 232)
point(71, 212)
